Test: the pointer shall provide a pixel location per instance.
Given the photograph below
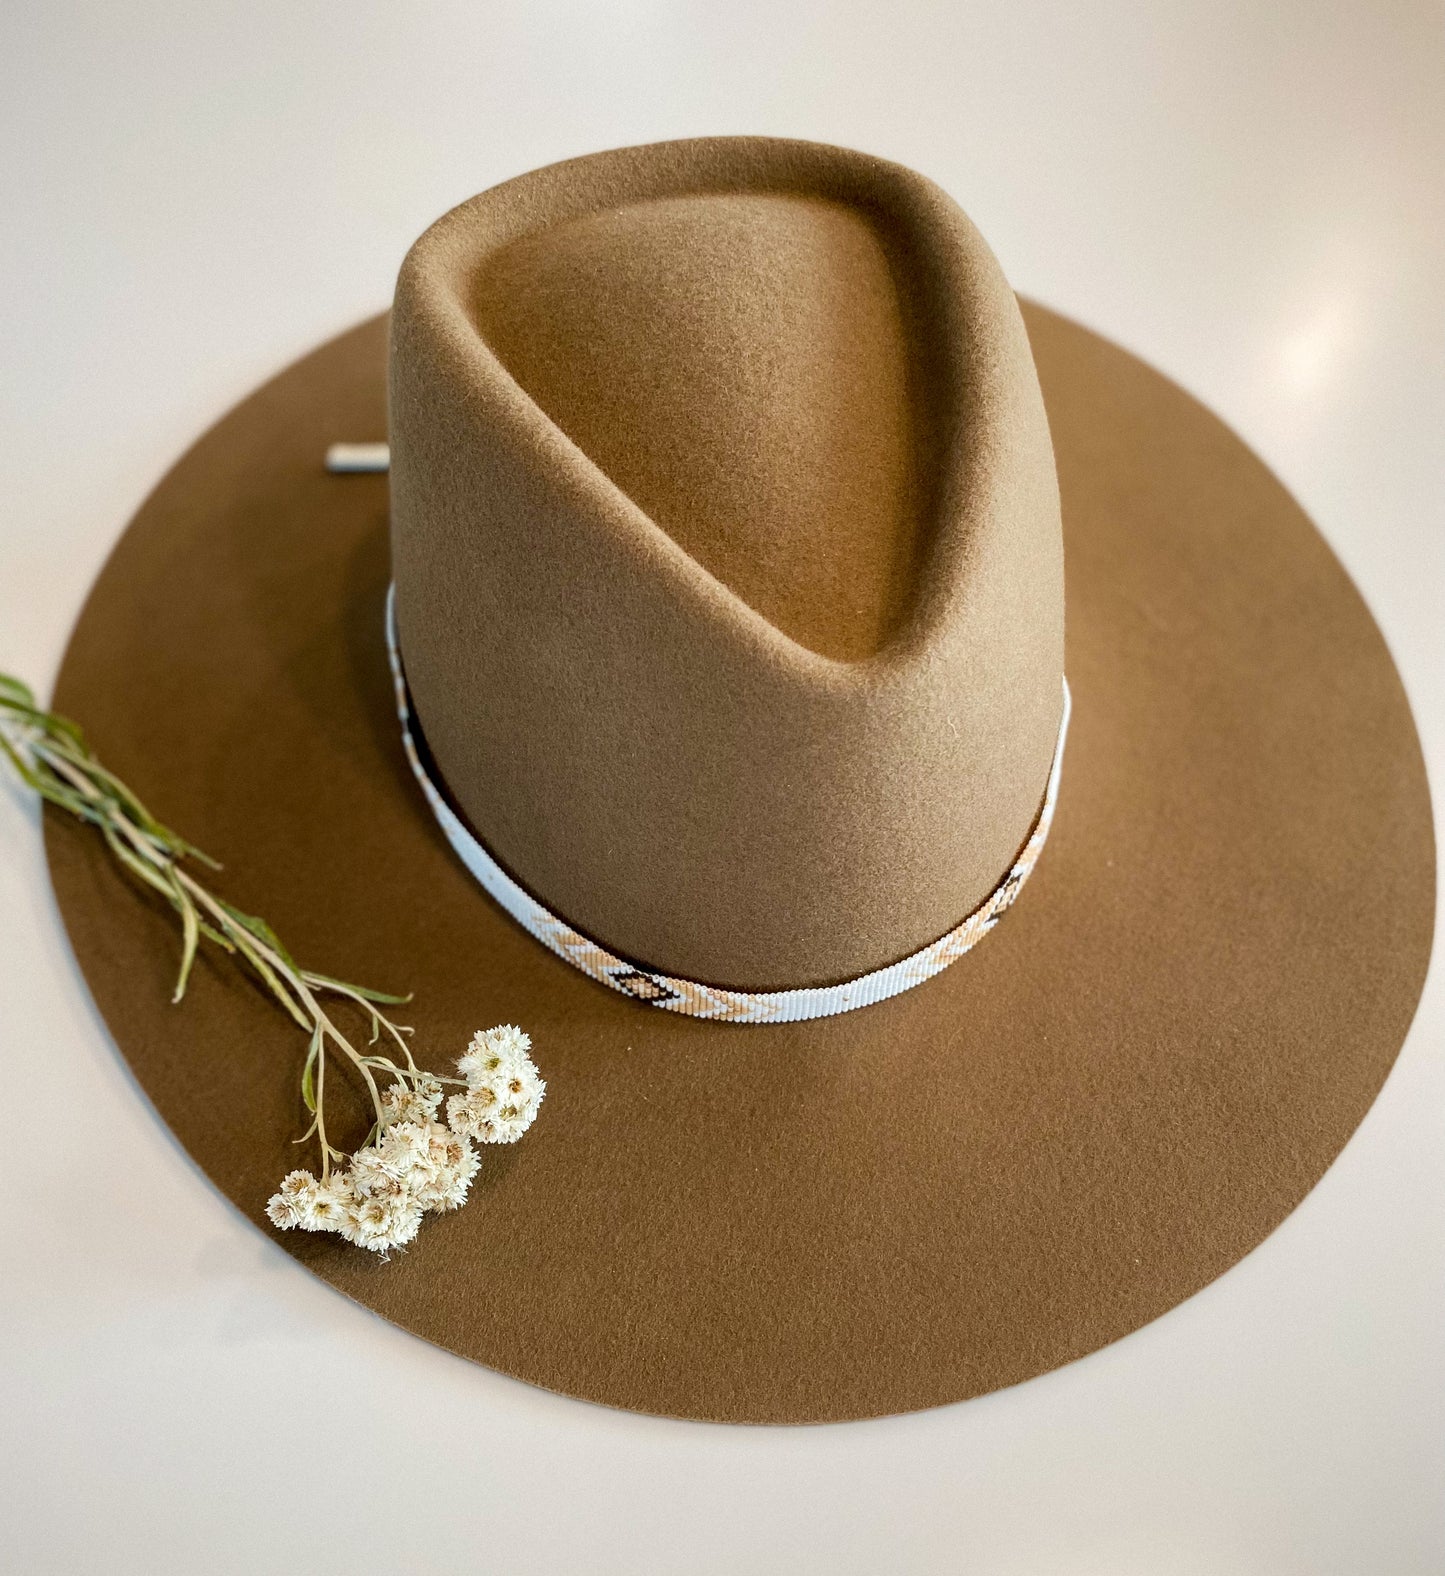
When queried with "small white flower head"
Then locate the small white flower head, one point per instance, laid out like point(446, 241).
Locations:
point(400, 1104)
point(429, 1091)
point(403, 1146)
point(493, 1051)
point(500, 1110)
point(504, 1088)
point(373, 1175)
point(384, 1169)
point(448, 1151)
point(289, 1205)
point(519, 1098)
point(409, 1152)
point(382, 1224)
point(444, 1182)
point(281, 1214)
point(453, 1189)
point(468, 1114)
point(327, 1208)
point(313, 1206)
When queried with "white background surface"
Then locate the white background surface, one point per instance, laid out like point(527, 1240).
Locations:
point(1248, 194)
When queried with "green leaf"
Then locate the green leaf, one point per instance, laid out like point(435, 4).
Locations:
point(22, 767)
point(191, 851)
point(50, 723)
point(68, 799)
point(137, 866)
point(261, 931)
point(63, 726)
point(28, 710)
point(124, 797)
point(308, 1073)
point(271, 980)
point(73, 750)
point(13, 688)
point(327, 983)
point(190, 939)
point(215, 935)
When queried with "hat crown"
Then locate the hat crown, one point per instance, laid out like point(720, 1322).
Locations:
point(748, 369)
point(727, 552)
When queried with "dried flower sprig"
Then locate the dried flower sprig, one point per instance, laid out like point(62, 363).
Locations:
point(410, 1162)
point(414, 1162)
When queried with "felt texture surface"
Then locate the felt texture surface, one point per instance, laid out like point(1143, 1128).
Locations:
point(1099, 1110)
point(727, 550)
point(741, 367)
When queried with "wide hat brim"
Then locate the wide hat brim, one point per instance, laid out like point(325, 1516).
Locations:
point(1103, 1107)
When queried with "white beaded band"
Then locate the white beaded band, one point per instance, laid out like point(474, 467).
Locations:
point(688, 996)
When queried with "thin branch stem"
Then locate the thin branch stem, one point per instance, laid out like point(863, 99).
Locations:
point(49, 754)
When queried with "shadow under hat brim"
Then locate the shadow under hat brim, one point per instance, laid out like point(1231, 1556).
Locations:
point(1101, 1108)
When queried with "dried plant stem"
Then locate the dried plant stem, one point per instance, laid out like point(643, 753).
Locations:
point(49, 754)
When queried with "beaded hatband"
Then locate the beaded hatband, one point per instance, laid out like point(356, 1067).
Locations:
point(710, 1001)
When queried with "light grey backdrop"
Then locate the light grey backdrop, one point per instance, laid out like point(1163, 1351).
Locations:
point(190, 195)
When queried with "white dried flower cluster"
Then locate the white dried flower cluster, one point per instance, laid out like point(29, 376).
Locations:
point(416, 1163)
point(417, 1104)
point(503, 1089)
point(379, 1200)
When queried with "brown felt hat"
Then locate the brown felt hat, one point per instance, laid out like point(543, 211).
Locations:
point(743, 530)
